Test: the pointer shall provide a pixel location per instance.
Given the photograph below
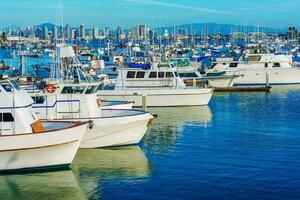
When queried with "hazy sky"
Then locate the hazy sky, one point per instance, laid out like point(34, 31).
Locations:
point(272, 13)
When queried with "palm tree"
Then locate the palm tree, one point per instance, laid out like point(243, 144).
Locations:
point(3, 38)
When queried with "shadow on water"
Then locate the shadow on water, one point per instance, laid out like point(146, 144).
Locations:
point(170, 124)
point(51, 185)
point(92, 167)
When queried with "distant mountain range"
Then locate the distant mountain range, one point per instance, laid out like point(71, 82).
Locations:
point(196, 28)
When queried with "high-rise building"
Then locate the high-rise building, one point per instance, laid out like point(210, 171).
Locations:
point(67, 33)
point(90, 34)
point(135, 31)
point(142, 31)
point(292, 33)
point(95, 32)
point(55, 33)
point(45, 33)
point(82, 31)
point(73, 34)
point(119, 32)
point(106, 32)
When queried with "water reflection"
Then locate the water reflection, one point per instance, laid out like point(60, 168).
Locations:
point(92, 166)
point(171, 122)
point(52, 185)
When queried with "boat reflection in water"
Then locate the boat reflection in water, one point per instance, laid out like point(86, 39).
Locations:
point(52, 185)
point(169, 125)
point(94, 166)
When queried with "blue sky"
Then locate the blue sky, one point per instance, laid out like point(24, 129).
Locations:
point(271, 13)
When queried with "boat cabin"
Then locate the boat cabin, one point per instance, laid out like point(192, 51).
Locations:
point(15, 115)
point(148, 79)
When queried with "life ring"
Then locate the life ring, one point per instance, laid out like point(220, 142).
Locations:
point(50, 88)
point(98, 102)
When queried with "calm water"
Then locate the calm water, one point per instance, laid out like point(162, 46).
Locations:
point(243, 146)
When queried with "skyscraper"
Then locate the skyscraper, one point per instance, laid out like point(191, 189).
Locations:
point(142, 31)
point(119, 32)
point(82, 31)
point(135, 31)
point(95, 32)
point(54, 33)
point(46, 33)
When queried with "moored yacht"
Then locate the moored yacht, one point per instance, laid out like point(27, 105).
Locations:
point(155, 87)
point(260, 69)
point(78, 102)
point(27, 143)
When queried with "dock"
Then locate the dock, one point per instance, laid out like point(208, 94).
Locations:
point(243, 89)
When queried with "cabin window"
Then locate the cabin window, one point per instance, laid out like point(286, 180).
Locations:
point(153, 75)
point(73, 90)
point(169, 75)
point(78, 90)
point(161, 74)
point(233, 65)
point(176, 74)
point(276, 65)
point(38, 99)
point(6, 117)
point(16, 85)
point(7, 87)
point(130, 74)
point(67, 90)
point(140, 74)
point(91, 90)
point(266, 65)
point(190, 75)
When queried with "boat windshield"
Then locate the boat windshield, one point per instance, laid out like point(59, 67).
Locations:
point(16, 85)
point(7, 86)
point(91, 89)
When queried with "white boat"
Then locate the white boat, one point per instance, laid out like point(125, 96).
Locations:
point(155, 88)
point(78, 102)
point(261, 69)
point(27, 143)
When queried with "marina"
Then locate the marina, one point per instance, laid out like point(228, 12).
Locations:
point(259, 155)
point(105, 103)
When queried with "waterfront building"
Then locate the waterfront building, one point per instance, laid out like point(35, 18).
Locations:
point(82, 31)
point(292, 35)
point(106, 32)
point(135, 32)
point(95, 32)
point(46, 33)
point(55, 33)
point(142, 31)
point(90, 34)
point(119, 32)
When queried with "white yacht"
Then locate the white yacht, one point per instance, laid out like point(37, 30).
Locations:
point(260, 69)
point(155, 87)
point(27, 143)
point(78, 102)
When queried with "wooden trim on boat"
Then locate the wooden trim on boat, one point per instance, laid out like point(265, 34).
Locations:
point(39, 147)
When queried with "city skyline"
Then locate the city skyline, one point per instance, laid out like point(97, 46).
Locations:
point(126, 13)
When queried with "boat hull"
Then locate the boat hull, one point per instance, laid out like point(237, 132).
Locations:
point(112, 132)
point(273, 77)
point(115, 128)
point(160, 98)
point(40, 150)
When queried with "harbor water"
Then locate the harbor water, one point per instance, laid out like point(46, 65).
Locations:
point(241, 146)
